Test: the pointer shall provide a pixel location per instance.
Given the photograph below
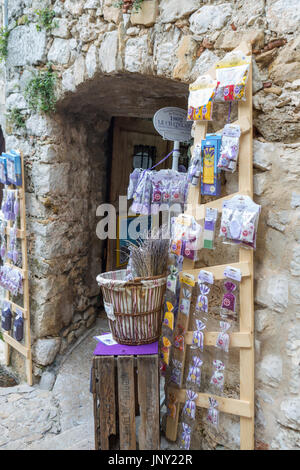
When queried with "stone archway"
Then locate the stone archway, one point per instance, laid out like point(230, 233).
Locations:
point(68, 181)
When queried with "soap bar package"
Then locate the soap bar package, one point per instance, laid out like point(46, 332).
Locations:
point(13, 165)
point(210, 173)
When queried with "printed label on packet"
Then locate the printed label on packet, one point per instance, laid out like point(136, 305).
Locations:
point(186, 278)
point(109, 309)
point(233, 273)
point(205, 276)
point(211, 214)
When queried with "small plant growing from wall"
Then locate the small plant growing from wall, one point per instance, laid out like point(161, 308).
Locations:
point(127, 4)
point(40, 92)
point(3, 43)
point(45, 19)
point(16, 118)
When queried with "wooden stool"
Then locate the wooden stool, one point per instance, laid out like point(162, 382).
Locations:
point(125, 383)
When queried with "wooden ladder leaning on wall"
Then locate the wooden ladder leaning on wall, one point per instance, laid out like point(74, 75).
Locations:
point(10, 341)
point(244, 339)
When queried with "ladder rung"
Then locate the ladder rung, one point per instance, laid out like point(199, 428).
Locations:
point(16, 306)
point(243, 123)
point(20, 233)
point(218, 271)
point(15, 344)
point(226, 405)
point(237, 340)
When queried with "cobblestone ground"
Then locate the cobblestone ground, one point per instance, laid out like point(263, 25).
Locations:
point(31, 418)
point(60, 419)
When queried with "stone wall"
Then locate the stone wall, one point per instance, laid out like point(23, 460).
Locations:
point(164, 47)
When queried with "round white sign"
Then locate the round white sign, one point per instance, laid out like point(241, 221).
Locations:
point(172, 124)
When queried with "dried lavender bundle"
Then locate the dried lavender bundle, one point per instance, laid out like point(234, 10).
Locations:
point(149, 257)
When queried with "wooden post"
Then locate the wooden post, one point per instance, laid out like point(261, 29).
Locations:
point(247, 361)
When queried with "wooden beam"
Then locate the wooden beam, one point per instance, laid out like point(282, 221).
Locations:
point(218, 271)
point(16, 345)
point(225, 405)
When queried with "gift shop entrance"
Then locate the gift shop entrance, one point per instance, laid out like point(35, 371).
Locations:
point(135, 144)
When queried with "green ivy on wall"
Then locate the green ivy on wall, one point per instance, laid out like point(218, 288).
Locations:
point(45, 19)
point(16, 118)
point(40, 92)
point(4, 34)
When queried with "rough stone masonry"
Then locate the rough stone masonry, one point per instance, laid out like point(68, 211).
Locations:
point(168, 43)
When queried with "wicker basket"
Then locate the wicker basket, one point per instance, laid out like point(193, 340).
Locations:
point(134, 308)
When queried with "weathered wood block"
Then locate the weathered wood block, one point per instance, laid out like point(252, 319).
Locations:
point(123, 388)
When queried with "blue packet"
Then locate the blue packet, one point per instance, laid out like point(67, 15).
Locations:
point(210, 173)
point(13, 166)
point(3, 170)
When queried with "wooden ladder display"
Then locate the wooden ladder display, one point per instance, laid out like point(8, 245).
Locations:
point(10, 341)
point(244, 339)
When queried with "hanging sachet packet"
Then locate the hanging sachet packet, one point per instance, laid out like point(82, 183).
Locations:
point(213, 412)
point(233, 277)
point(133, 182)
point(169, 316)
point(185, 438)
point(185, 301)
point(198, 336)
point(194, 375)
point(217, 378)
point(165, 350)
point(204, 278)
point(142, 194)
point(18, 326)
point(3, 240)
point(232, 74)
point(172, 279)
point(189, 408)
point(10, 204)
point(201, 98)
point(195, 166)
point(239, 221)
point(179, 338)
point(186, 236)
point(223, 337)
point(13, 253)
point(176, 371)
point(6, 317)
point(229, 147)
